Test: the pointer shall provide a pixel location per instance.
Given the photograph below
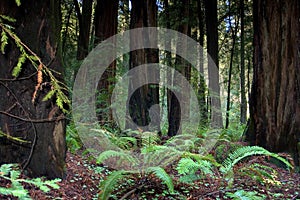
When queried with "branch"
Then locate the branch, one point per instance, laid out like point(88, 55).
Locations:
point(33, 120)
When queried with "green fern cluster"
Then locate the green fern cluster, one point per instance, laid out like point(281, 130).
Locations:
point(11, 173)
point(188, 169)
point(109, 185)
point(258, 171)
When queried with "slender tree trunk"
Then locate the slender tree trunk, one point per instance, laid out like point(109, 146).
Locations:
point(275, 95)
point(243, 108)
point(177, 114)
point(213, 72)
point(38, 24)
point(106, 23)
point(201, 84)
point(234, 34)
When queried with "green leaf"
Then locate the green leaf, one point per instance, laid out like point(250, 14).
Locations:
point(49, 95)
point(15, 174)
point(18, 2)
point(17, 69)
point(4, 41)
point(7, 18)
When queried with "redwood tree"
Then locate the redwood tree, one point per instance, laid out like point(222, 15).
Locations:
point(275, 95)
point(213, 72)
point(143, 14)
point(38, 122)
point(106, 22)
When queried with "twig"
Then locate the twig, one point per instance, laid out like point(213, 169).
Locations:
point(18, 79)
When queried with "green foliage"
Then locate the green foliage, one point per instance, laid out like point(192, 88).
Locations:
point(247, 151)
point(110, 184)
point(261, 173)
point(163, 176)
point(123, 157)
point(11, 173)
point(223, 149)
point(188, 168)
point(72, 138)
point(245, 195)
point(18, 2)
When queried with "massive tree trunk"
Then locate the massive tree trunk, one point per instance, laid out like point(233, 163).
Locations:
point(275, 95)
point(143, 14)
point(38, 26)
point(213, 72)
point(106, 22)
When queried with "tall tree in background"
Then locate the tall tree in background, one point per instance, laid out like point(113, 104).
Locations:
point(84, 19)
point(143, 14)
point(175, 112)
point(275, 95)
point(243, 108)
point(106, 24)
point(201, 84)
point(38, 25)
point(213, 73)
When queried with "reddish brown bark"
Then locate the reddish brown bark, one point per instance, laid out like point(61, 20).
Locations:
point(275, 97)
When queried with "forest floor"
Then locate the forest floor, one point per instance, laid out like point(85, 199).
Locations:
point(84, 175)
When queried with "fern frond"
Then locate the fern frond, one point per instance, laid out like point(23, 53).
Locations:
point(163, 176)
point(123, 156)
point(247, 151)
point(4, 41)
point(110, 184)
point(188, 168)
point(17, 69)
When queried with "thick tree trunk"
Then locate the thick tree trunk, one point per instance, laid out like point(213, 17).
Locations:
point(213, 72)
point(106, 22)
point(143, 14)
point(38, 26)
point(275, 95)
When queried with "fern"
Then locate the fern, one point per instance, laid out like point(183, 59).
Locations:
point(247, 151)
point(163, 176)
point(123, 156)
point(10, 172)
point(149, 138)
point(241, 153)
point(261, 173)
point(245, 195)
point(111, 182)
point(188, 169)
point(4, 41)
